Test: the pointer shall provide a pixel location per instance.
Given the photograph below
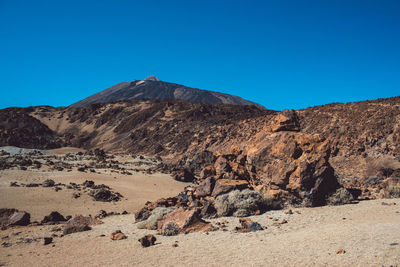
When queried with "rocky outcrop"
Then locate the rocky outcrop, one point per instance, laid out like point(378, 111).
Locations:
point(293, 165)
point(297, 157)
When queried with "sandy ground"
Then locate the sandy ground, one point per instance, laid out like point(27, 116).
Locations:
point(40, 201)
point(369, 231)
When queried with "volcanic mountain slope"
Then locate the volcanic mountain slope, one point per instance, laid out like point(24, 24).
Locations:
point(153, 88)
point(289, 151)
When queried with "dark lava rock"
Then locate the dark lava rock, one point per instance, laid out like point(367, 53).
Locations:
point(104, 194)
point(47, 240)
point(14, 184)
point(53, 217)
point(79, 224)
point(48, 183)
point(15, 218)
point(88, 183)
point(147, 240)
point(184, 175)
point(32, 185)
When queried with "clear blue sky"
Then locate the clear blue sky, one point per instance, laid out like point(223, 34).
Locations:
point(281, 53)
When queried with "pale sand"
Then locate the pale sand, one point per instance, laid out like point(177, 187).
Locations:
point(370, 232)
point(39, 201)
point(368, 235)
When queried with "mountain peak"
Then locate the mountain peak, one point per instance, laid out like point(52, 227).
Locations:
point(152, 78)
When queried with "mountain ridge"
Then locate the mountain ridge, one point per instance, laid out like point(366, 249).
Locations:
point(154, 88)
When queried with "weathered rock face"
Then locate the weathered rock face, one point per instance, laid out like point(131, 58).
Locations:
point(223, 186)
point(287, 120)
point(295, 163)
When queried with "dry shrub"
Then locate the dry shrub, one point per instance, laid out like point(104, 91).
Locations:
point(394, 190)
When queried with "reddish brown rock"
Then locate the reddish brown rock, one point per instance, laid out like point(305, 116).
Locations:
point(206, 172)
point(184, 221)
point(223, 186)
point(118, 235)
point(205, 188)
point(145, 212)
point(340, 251)
point(287, 120)
point(306, 177)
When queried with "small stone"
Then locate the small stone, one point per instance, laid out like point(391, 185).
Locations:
point(47, 240)
point(147, 240)
point(48, 183)
point(288, 211)
point(340, 251)
point(6, 244)
point(118, 235)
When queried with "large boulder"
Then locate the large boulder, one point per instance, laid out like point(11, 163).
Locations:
point(223, 186)
point(296, 163)
point(205, 188)
point(183, 175)
point(147, 240)
point(145, 212)
point(12, 217)
point(183, 221)
point(79, 223)
point(104, 195)
point(340, 197)
point(156, 215)
point(286, 120)
point(239, 203)
point(53, 217)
